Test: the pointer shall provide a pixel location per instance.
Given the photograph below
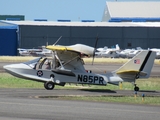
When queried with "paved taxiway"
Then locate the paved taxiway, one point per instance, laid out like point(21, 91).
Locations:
point(24, 104)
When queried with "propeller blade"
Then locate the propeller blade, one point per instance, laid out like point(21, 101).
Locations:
point(95, 46)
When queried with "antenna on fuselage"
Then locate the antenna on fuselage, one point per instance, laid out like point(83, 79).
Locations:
point(57, 40)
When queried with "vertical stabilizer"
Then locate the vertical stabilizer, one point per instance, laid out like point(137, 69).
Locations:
point(138, 67)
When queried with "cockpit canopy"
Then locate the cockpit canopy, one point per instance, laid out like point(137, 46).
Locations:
point(40, 63)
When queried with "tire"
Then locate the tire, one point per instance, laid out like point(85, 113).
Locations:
point(49, 85)
point(136, 88)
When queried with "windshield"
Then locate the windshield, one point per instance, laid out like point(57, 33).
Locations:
point(33, 63)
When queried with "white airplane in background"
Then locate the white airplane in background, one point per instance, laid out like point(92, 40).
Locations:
point(23, 52)
point(108, 52)
point(155, 49)
point(157, 52)
point(157, 55)
point(43, 52)
point(108, 49)
point(67, 66)
point(28, 52)
point(102, 49)
point(124, 53)
point(132, 53)
point(129, 53)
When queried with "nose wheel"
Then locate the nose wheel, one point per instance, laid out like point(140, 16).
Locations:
point(49, 85)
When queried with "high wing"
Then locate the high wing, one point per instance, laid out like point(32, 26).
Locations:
point(79, 48)
point(69, 57)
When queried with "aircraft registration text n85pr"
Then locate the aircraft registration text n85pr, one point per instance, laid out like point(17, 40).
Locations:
point(91, 79)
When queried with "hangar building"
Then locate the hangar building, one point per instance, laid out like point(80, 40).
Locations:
point(8, 39)
point(132, 12)
point(128, 34)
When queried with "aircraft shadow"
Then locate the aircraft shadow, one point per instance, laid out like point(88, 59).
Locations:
point(99, 90)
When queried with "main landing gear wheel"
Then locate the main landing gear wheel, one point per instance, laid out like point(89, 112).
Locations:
point(49, 85)
point(136, 88)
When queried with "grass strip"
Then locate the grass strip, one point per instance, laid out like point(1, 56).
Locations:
point(9, 81)
point(116, 99)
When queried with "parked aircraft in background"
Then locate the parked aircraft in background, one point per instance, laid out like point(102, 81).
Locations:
point(124, 53)
point(157, 52)
point(108, 52)
point(129, 53)
point(35, 52)
point(132, 53)
point(45, 52)
point(108, 49)
point(67, 66)
point(157, 55)
point(28, 52)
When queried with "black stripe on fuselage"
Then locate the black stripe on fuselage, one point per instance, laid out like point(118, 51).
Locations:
point(63, 72)
point(145, 60)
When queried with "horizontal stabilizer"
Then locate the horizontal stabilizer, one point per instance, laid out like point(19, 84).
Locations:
point(133, 72)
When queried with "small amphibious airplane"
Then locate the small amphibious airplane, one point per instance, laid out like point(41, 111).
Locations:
point(67, 66)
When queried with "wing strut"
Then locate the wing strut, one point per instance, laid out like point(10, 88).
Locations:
point(59, 60)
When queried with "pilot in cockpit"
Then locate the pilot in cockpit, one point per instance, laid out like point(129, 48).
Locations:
point(48, 64)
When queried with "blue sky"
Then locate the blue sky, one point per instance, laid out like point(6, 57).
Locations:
point(53, 10)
